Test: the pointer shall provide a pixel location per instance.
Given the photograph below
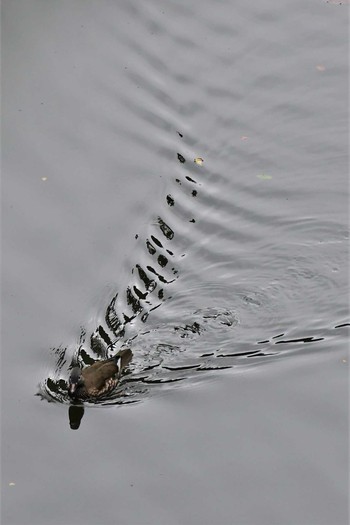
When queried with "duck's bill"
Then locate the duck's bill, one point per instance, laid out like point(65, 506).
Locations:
point(72, 388)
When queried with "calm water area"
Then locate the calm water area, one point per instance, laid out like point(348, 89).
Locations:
point(175, 180)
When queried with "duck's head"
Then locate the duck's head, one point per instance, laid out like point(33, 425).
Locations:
point(75, 381)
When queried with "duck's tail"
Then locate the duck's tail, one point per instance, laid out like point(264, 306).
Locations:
point(125, 356)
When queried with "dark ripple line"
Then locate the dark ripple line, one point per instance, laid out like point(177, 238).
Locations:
point(136, 299)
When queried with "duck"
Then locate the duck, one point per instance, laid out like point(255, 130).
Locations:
point(99, 379)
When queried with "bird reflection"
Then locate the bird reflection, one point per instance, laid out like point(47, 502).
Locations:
point(75, 413)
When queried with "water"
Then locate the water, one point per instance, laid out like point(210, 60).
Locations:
point(228, 278)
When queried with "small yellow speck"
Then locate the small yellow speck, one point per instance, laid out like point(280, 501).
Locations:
point(264, 176)
point(12, 484)
point(199, 161)
point(44, 179)
point(344, 361)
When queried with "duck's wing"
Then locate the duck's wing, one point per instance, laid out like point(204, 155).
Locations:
point(97, 365)
point(95, 377)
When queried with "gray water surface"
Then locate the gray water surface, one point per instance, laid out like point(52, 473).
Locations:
point(228, 278)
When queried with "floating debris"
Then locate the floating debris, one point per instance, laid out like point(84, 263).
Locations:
point(335, 2)
point(181, 158)
point(180, 134)
point(199, 161)
point(321, 67)
point(264, 176)
point(44, 179)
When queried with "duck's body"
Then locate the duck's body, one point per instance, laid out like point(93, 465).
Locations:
point(98, 379)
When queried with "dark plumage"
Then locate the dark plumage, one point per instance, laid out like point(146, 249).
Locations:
point(98, 379)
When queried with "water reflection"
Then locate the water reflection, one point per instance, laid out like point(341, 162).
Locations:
point(75, 413)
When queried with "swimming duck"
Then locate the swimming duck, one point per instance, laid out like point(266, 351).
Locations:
point(98, 379)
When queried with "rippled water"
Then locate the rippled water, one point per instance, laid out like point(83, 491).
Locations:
point(171, 343)
point(175, 179)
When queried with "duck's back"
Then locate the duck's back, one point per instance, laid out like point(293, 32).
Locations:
point(100, 377)
point(103, 376)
